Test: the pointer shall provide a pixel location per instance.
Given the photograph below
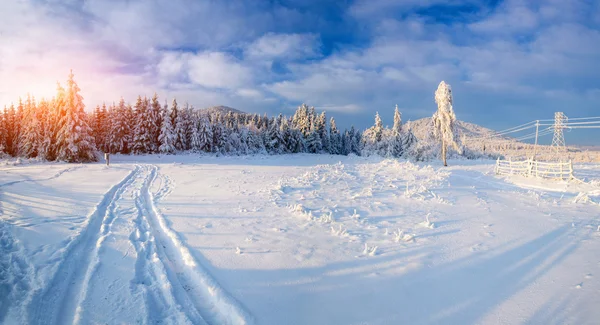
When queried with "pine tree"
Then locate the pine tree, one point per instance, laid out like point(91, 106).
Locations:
point(275, 143)
point(120, 133)
point(142, 136)
point(10, 126)
point(205, 135)
point(313, 141)
point(395, 144)
point(155, 124)
point(444, 120)
point(334, 138)
point(31, 137)
point(356, 141)
point(167, 134)
point(75, 141)
point(196, 141)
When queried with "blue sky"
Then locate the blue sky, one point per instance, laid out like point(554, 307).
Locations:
point(508, 62)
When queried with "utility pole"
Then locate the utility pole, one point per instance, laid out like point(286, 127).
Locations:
point(558, 141)
point(537, 127)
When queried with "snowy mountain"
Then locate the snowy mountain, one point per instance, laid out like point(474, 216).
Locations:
point(221, 109)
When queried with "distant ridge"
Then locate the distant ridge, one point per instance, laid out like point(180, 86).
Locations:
point(470, 130)
point(221, 109)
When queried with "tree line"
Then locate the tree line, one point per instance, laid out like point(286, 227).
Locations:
point(60, 129)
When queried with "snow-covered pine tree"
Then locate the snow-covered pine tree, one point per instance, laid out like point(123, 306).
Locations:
point(9, 125)
point(334, 138)
point(377, 128)
point(396, 146)
point(180, 128)
point(275, 142)
point(17, 127)
point(155, 123)
point(373, 143)
point(196, 142)
point(300, 120)
point(99, 127)
point(167, 134)
point(142, 137)
point(2, 133)
point(321, 125)
point(356, 141)
point(44, 110)
point(120, 128)
point(205, 134)
point(75, 141)
point(188, 126)
point(31, 137)
point(409, 141)
point(444, 120)
point(313, 141)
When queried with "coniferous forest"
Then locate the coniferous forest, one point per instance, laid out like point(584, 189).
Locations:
point(60, 129)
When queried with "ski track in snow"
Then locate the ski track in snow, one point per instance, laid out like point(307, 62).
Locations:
point(192, 286)
point(174, 287)
point(57, 302)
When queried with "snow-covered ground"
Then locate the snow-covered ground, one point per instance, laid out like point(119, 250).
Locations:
point(303, 239)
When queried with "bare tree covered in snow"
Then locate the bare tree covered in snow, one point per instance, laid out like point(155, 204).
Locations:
point(444, 120)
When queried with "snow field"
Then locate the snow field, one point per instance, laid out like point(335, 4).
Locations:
point(302, 239)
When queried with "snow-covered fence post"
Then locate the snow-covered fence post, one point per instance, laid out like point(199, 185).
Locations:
point(571, 170)
point(107, 158)
point(497, 166)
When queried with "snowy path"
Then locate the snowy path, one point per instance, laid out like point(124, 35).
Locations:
point(128, 259)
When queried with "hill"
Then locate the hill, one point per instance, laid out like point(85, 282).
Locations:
point(221, 109)
point(470, 130)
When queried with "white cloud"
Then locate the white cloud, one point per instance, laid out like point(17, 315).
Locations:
point(511, 16)
point(285, 46)
point(217, 70)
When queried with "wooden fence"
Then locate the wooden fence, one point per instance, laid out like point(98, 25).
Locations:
point(532, 168)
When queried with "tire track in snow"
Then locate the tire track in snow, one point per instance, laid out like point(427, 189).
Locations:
point(164, 302)
point(196, 291)
point(58, 302)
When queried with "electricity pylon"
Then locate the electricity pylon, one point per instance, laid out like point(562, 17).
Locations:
point(558, 141)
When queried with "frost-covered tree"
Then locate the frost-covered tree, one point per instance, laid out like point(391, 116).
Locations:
point(167, 134)
point(196, 143)
point(313, 141)
point(335, 140)
point(444, 120)
point(75, 141)
point(120, 131)
point(31, 134)
point(205, 135)
point(275, 142)
point(321, 126)
point(372, 140)
point(142, 136)
point(154, 123)
point(396, 148)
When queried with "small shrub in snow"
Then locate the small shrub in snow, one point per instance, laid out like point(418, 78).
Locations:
point(401, 236)
point(371, 251)
point(340, 232)
point(326, 218)
point(427, 223)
